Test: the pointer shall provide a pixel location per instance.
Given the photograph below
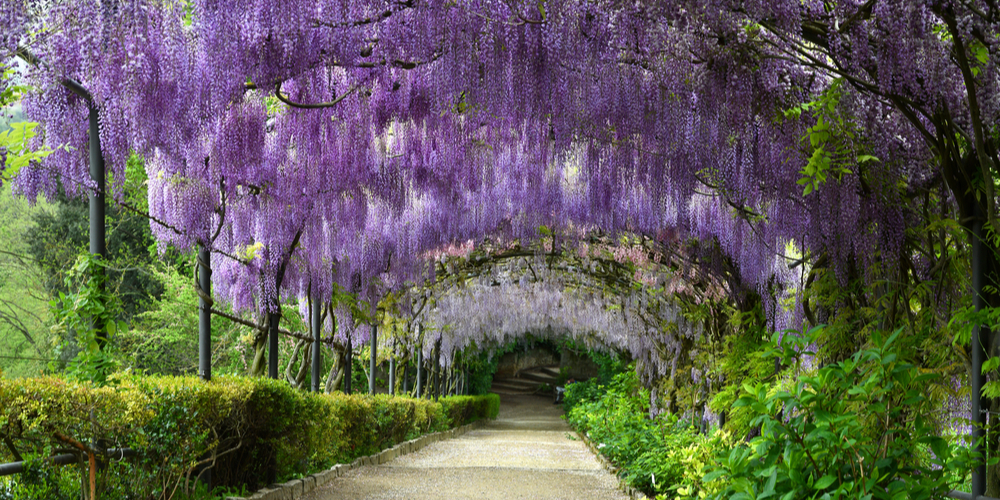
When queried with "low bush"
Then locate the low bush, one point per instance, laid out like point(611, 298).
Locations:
point(858, 428)
point(587, 391)
point(656, 455)
point(863, 427)
point(244, 427)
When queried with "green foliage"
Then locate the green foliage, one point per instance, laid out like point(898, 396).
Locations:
point(85, 319)
point(15, 143)
point(58, 236)
point(470, 408)
point(481, 368)
point(830, 139)
point(41, 479)
point(662, 455)
point(609, 364)
point(164, 339)
point(25, 344)
point(587, 391)
point(963, 322)
point(858, 428)
point(740, 362)
point(243, 424)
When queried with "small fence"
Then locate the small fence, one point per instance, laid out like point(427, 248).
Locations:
point(117, 454)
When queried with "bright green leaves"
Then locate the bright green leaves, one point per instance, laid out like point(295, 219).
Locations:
point(831, 139)
point(991, 364)
point(18, 153)
point(12, 93)
point(814, 174)
point(981, 54)
point(663, 455)
point(85, 318)
point(962, 323)
point(859, 428)
point(15, 150)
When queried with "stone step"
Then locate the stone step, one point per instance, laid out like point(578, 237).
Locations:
point(538, 376)
point(552, 371)
point(511, 392)
point(515, 385)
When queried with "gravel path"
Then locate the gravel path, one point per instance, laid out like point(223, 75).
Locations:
point(526, 453)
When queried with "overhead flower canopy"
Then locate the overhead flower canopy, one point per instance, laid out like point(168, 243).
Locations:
point(313, 143)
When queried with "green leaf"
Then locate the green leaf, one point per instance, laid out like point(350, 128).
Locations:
point(991, 364)
point(824, 482)
point(712, 476)
point(981, 53)
point(769, 486)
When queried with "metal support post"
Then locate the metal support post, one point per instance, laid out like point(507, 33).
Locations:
point(406, 378)
point(317, 357)
point(272, 345)
point(420, 371)
point(392, 373)
point(373, 362)
point(980, 340)
point(204, 313)
point(348, 364)
point(96, 201)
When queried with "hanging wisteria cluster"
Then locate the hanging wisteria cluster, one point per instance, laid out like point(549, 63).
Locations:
point(313, 143)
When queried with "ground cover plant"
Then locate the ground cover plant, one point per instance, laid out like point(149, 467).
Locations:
point(864, 427)
point(659, 455)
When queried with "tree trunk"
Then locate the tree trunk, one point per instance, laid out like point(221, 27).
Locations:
point(336, 375)
point(291, 362)
point(259, 359)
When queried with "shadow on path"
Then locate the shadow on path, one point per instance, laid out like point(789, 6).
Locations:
point(528, 452)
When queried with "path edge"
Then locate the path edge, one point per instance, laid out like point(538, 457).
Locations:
point(295, 488)
point(610, 467)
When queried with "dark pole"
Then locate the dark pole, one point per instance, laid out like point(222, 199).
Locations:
point(420, 371)
point(437, 371)
point(205, 331)
point(317, 328)
point(204, 313)
point(406, 378)
point(96, 198)
point(980, 339)
point(349, 363)
point(392, 372)
point(272, 345)
point(372, 364)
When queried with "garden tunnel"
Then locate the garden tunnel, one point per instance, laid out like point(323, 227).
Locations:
point(318, 150)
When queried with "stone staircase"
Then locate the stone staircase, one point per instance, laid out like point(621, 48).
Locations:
point(527, 381)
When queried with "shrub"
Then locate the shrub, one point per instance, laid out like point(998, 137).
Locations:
point(470, 408)
point(860, 428)
point(576, 393)
point(662, 455)
point(245, 426)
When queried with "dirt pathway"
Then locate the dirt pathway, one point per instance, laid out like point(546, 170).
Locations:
point(526, 453)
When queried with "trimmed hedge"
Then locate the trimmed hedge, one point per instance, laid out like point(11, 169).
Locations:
point(246, 425)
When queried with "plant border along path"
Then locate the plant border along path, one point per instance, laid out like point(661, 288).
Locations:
point(296, 488)
point(528, 452)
